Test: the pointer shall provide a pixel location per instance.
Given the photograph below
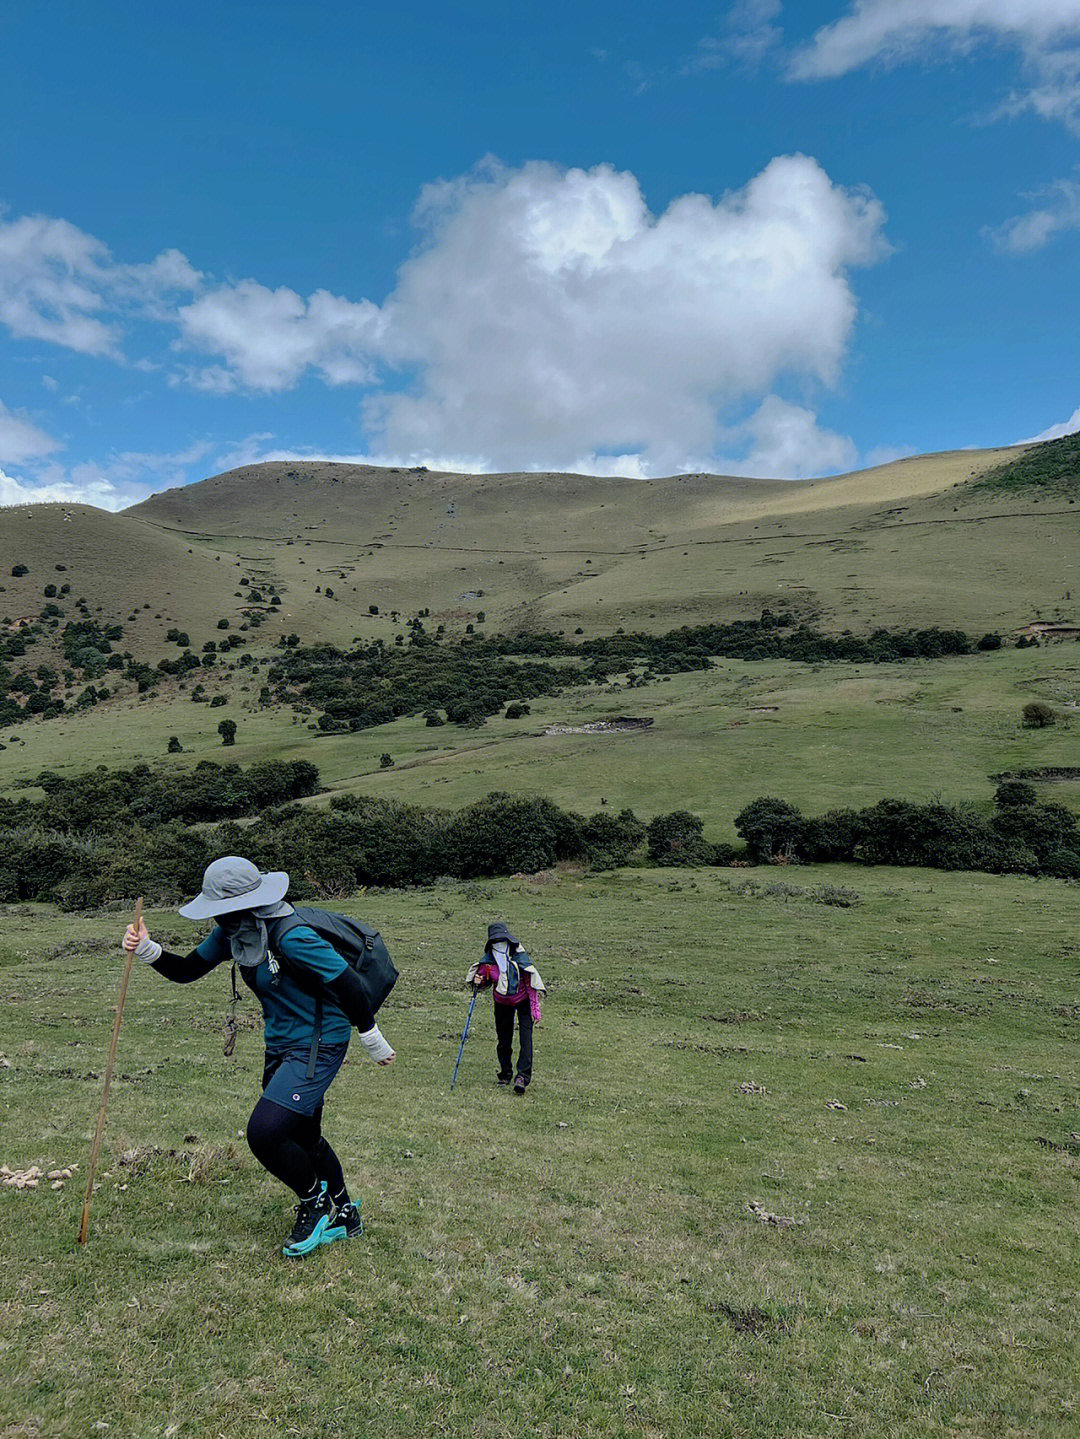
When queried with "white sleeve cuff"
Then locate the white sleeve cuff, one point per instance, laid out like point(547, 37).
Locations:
point(376, 1045)
point(148, 950)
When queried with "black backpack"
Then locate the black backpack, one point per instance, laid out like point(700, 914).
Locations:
point(361, 947)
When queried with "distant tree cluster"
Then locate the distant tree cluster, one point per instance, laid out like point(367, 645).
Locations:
point(1021, 836)
point(472, 679)
point(103, 836)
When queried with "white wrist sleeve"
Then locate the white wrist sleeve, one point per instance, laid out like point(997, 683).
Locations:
point(148, 950)
point(376, 1045)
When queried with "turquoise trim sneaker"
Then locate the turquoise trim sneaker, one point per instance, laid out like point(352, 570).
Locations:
point(309, 1231)
point(345, 1223)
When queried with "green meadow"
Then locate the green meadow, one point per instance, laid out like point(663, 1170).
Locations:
point(787, 1168)
point(823, 736)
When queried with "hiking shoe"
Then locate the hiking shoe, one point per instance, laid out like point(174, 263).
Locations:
point(520, 1084)
point(312, 1219)
point(345, 1223)
point(503, 1079)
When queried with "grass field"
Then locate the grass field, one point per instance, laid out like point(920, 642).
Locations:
point(899, 1078)
point(822, 736)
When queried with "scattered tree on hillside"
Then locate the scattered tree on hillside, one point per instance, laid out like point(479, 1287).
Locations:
point(1037, 714)
point(227, 731)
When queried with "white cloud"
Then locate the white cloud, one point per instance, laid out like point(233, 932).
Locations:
point(21, 439)
point(123, 479)
point(747, 36)
point(787, 443)
point(61, 285)
point(547, 319)
point(550, 314)
point(268, 338)
point(889, 32)
point(52, 491)
point(1021, 234)
point(1055, 432)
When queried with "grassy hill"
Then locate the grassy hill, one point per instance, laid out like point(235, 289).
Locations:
point(920, 541)
point(913, 542)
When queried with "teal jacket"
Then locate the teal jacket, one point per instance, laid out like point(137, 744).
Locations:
point(288, 1010)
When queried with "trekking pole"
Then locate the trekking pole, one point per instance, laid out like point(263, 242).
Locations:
point(465, 1033)
point(84, 1227)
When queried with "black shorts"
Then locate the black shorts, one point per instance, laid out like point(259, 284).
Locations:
point(285, 1078)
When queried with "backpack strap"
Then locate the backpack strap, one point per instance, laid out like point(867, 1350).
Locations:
point(313, 1053)
point(282, 927)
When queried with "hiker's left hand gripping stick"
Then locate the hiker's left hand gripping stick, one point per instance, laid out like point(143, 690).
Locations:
point(135, 938)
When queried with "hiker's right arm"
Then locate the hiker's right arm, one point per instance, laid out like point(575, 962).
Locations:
point(182, 968)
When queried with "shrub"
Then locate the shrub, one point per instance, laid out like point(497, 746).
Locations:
point(1015, 792)
point(505, 834)
point(223, 624)
point(227, 731)
point(989, 642)
point(19, 570)
point(770, 827)
point(174, 745)
point(612, 840)
point(677, 839)
point(516, 711)
point(386, 761)
point(1037, 714)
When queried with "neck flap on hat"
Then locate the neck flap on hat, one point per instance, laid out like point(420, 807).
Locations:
point(247, 934)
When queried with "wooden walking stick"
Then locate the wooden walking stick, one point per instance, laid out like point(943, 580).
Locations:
point(84, 1227)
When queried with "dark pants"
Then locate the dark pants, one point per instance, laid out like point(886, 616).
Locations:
point(504, 1030)
point(291, 1145)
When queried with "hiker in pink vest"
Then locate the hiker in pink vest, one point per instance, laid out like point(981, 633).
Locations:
point(517, 986)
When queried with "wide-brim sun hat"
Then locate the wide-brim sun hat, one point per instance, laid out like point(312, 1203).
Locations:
point(498, 931)
point(231, 884)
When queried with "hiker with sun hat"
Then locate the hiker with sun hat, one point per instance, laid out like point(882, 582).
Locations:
point(517, 987)
point(311, 999)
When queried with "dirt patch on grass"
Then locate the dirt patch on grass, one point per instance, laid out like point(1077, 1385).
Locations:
point(749, 1321)
point(618, 725)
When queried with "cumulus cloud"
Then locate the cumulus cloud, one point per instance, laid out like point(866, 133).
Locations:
point(548, 313)
point(59, 284)
point(1059, 211)
point(21, 439)
point(546, 319)
point(57, 490)
point(787, 443)
point(268, 338)
point(889, 32)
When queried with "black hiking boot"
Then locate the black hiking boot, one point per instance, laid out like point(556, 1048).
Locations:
point(520, 1084)
point(312, 1219)
point(503, 1079)
point(345, 1223)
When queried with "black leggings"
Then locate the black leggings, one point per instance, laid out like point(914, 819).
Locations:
point(292, 1148)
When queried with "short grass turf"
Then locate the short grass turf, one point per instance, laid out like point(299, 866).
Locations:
point(898, 1078)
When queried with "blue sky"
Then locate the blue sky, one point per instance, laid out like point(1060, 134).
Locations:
point(769, 238)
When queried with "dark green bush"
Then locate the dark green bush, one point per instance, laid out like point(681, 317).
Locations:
point(677, 839)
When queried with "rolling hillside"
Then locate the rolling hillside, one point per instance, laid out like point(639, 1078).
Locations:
point(971, 540)
point(911, 543)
